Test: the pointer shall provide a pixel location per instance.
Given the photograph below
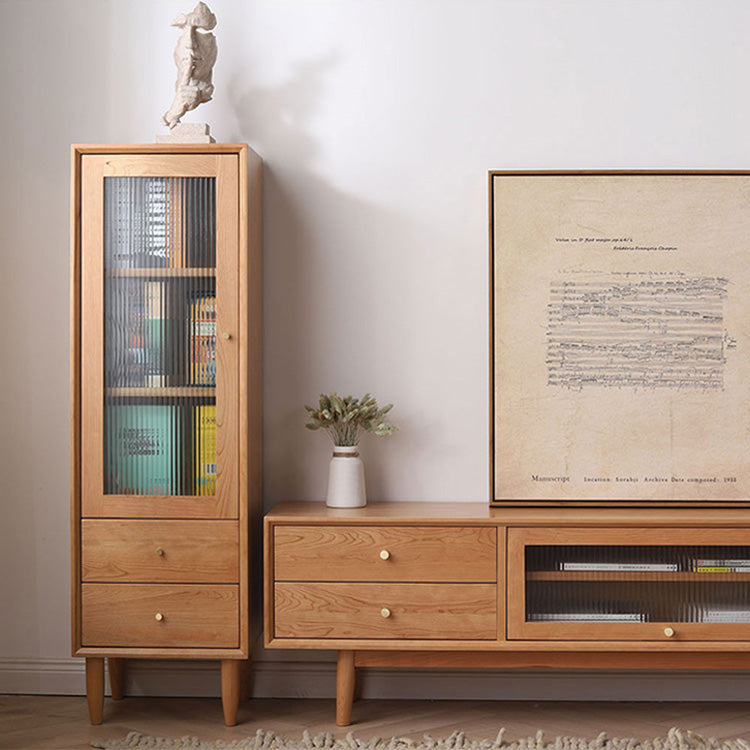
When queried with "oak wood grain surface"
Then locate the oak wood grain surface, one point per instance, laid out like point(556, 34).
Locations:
point(141, 551)
point(386, 610)
point(126, 614)
point(384, 553)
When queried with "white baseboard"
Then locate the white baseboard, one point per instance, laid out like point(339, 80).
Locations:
point(317, 679)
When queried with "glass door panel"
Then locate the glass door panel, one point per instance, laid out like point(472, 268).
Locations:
point(159, 278)
point(160, 335)
point(597, 583)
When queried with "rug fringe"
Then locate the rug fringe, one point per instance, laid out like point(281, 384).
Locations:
point(676, 739)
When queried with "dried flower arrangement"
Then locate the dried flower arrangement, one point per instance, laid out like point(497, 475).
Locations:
point(345, 419)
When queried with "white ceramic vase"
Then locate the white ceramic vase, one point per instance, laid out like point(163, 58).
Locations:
point(346, 478)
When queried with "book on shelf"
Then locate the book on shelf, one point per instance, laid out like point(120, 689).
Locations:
point(156, 326)
point(160, 222)
point(175, 224)
point(202, 340)
point(595, 566)
point(142, 445)
point(702, 565)
point(135, 225)
point(199, 210)
point(726, 615)
point(585, 617)
point(125, 353)
point(205, 449)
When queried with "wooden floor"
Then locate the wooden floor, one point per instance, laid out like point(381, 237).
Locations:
point(37, 722)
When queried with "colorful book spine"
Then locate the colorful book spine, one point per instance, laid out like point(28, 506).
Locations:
point(205, 449)
point(202, 341)
point(707, 565)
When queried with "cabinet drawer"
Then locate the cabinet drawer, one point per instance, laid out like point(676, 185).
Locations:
point(160, 551)
point(390, 610)
point(115, 614)
point(385, 553)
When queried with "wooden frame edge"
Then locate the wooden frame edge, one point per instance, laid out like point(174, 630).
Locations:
point(268, 583)
point(75, 394)
point(494, 502)
point(251, 166)
point(491, 225)
point(593, 660)
point(243, 489)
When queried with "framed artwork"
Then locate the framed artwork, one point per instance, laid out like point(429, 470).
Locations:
point(620, 337)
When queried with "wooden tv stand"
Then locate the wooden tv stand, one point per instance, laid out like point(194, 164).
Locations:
point(465, 585)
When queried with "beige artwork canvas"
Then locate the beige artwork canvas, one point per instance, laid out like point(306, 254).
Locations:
point(619, 328)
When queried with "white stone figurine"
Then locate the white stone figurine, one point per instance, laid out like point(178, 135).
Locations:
point(194, 56)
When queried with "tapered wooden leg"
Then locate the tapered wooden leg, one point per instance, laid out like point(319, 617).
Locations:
point(116, 669)
point(95, 687)
point(230, 689)
point(345, 679)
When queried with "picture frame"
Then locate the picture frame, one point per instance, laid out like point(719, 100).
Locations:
point(619, 337)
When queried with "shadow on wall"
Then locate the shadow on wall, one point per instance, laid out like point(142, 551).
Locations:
point(338, 310)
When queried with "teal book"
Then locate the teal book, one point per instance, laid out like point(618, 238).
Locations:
point(142, 449)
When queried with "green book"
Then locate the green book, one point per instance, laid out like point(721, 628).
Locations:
point(141, 449)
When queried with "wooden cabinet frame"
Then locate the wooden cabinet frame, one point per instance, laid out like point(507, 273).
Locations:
point(618, 646)
point(237, 503)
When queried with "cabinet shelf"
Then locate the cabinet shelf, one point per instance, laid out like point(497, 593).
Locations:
point(166, 392)
point(162, 273)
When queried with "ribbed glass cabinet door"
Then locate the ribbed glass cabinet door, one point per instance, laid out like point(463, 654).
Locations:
point(653, 583)
point(159, 268)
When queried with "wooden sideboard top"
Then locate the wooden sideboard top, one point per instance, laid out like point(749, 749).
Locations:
point(480, 513)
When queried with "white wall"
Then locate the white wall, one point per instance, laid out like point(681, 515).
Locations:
point(378, 121)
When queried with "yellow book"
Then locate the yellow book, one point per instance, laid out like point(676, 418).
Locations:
point(205, 450)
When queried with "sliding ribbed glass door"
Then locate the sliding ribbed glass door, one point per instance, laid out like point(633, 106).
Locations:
point(609, 584)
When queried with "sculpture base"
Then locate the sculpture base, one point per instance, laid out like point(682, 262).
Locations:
point(187, 132)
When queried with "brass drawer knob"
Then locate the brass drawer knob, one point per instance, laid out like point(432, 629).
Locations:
point(226, 335)
point(384, 554)
point(158, 616)
point(385, 612)
point(669, 632)
point(159, 551)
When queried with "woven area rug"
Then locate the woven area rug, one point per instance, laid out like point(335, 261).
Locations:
point(676, 739)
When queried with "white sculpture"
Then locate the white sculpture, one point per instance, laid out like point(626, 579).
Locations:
point(194, 56)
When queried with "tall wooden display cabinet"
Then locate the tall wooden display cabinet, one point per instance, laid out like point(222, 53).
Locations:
point(165, 407)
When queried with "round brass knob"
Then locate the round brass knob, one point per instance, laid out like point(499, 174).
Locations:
point(159, 551)
point(669, 632)
point(158, 616)
point(384, 554)
point(227, 335)
point(385, 612)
